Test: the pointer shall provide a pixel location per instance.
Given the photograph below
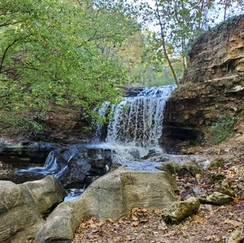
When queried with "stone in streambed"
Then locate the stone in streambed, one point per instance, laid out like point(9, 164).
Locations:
point(218, 198)
point(180, 210)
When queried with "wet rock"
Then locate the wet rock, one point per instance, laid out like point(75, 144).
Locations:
point(84, 166)
point(218, 198)
point(21, 207)
point(25, 151)
point(180, 210)
point(114, 166)
point(73, 166)
point(111, 196)
point(20, 178)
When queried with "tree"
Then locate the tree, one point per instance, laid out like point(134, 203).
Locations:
point(51, 52)
point(180, 22)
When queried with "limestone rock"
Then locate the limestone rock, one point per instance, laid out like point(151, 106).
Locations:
point(179, 210)
point(25, 151)
point(213, 84)
point(46, 192)
point(218, 198)
point(19, 217)
point(111, 196)
point(185, 167)
point(21, 207)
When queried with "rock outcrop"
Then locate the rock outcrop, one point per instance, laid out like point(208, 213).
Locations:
point(22, 207)
point(112, 196)
point(24, 152)
point(212, 85)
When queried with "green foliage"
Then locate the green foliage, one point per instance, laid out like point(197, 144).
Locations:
point(51, 52)
point(222, 130)
point(144, 67)
point(17, 120)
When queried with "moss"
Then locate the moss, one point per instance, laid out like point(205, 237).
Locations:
point(222, 129)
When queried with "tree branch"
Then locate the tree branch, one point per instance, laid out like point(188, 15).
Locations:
point(164, 44)
point(5, 53)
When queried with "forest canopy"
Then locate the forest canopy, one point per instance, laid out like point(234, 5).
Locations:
point(75, 52)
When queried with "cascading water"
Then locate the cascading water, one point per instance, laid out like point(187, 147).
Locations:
point(137, 121)
point(133, 130)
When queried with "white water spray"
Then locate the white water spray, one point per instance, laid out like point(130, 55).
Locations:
point(137, 121)
point(136, 124)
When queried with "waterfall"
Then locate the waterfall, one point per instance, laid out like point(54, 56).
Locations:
point(133, 131)
point(137, 121)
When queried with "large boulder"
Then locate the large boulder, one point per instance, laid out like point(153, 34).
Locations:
point(21, 207)
point(46, 193)
point(111, 196)
point(19, 217)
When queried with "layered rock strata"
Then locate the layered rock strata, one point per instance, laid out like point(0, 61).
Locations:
point(213, 84)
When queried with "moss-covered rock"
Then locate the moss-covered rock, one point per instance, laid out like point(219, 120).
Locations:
point(218, 198)
point(215, 164)
point(179, 210)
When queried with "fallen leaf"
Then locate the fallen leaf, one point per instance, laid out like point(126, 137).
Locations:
point(134, 218)
point(157, 211)
point(235, 200)
point(144, 210)
point(122, 220)
point(134, 224)
point(233, 222)
point(134, 210)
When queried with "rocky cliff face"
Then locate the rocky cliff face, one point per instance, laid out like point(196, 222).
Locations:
point(212, 85)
